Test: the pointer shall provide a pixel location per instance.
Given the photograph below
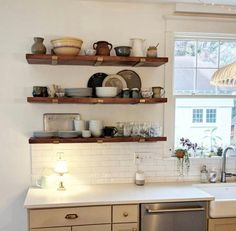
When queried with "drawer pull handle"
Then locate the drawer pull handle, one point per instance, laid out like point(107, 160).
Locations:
point(71, 216)
point(125, 214)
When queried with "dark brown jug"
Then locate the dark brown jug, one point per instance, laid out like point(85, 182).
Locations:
point(102, 48)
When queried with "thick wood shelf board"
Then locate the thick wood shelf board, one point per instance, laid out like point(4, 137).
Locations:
point(34, 140)
point(67, 100)
point(95, 60)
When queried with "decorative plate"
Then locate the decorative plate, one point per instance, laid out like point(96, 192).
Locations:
point(96, 80)
point(132, 78)
point(115, 81)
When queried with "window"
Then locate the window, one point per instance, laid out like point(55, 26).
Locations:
point(211, 115)
point(197, 115)
point(204, 113)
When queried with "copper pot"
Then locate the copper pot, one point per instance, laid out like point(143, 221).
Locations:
point(102, 48)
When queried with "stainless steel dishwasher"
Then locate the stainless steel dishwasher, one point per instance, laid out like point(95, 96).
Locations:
point(179, 216)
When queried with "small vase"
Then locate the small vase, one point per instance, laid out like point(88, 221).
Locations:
point(38, 46)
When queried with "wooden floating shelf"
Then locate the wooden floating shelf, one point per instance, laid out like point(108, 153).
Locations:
point(95, 60)
point(67, 100)
point(34, 140)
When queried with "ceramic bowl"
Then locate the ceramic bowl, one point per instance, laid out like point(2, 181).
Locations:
point(67, 42)
point(66, 50)
point(123, 51)
point(106, 91)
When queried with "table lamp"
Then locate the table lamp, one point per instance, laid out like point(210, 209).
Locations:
point(61, 169)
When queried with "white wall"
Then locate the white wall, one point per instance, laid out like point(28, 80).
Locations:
point(20, 21)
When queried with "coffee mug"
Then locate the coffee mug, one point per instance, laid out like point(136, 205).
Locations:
point(158, 92)
point(39, 91)
point(42, 182)
point(109, 131)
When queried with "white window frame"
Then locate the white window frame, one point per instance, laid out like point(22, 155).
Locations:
point(169, 112)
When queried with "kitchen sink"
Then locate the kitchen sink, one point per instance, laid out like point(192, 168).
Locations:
point(224, 204)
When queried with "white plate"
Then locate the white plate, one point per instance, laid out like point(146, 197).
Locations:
point(115, 81)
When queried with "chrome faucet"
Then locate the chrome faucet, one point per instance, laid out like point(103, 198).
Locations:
point(224, 174)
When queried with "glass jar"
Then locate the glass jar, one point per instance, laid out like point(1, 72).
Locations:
point(204, 174)
point(135, 93)
point(152, 52)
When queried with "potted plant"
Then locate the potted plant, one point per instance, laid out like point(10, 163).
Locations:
point(182, 154)
point(183, 162)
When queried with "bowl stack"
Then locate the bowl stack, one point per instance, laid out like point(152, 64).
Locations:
point(67, 46)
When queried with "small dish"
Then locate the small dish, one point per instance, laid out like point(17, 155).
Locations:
point(115, 81)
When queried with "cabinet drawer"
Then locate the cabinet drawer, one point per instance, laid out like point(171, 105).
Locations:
point(125, 227)
point(70, 216)
point(53, 229)
point(125, 213)
point(92, 228)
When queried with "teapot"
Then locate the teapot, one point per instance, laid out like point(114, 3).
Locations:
point(102, 48)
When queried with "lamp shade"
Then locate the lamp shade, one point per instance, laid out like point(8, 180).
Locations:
point(225, 76)
point(61, 167)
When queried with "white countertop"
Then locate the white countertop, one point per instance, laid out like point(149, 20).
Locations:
point(85, 195)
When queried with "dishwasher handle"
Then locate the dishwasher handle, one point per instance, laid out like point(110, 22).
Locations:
point(194, 209)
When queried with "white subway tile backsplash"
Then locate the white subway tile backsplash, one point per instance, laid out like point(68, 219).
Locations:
point(114, 163)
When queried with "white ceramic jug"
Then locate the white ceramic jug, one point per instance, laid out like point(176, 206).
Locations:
point(137, 47)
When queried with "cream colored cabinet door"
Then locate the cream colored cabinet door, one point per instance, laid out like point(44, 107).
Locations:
point(92, 228)
point(60, 217)
point(224, 224)
point(125, 213)
point(125, 227)
point(53, 229)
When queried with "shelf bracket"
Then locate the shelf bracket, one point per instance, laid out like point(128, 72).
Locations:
point(142, 101)
point(55, 101)
point(99, 61)
point(54, 60)
point(140, 63)
point(141, 140)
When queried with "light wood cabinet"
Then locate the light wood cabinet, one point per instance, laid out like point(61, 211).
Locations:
point(92, 228)
point(125, 218)
point(86, 218)
point(70, 216)
point(222, 224)
point(125, 213)
point(125, 227)
point(53, 229)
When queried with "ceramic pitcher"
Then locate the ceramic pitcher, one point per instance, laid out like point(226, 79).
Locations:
point(102, 48)
point(138, 47)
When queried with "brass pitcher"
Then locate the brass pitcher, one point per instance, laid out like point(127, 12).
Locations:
point(102, 48)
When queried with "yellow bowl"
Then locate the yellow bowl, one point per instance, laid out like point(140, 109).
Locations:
point(72, 42)
point(66, 50)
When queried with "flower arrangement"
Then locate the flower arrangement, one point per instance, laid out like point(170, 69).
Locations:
point(182, 153)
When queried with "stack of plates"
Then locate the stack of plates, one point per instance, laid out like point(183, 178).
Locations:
point(68, 134)
point(44, 134)
point(78, 92)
